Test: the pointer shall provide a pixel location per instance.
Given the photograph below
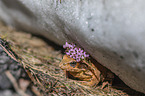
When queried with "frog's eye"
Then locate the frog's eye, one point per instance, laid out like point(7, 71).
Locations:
point(73, 64)
point(83, 65)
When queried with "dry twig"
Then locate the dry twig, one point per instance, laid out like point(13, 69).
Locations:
point(15, 84)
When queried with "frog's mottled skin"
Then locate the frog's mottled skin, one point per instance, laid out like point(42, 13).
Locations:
point(86, 72)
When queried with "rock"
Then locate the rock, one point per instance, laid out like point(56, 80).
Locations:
point(7, 93)
point(112, 31)
point(6, 63)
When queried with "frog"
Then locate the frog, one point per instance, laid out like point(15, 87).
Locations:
point(85, 72)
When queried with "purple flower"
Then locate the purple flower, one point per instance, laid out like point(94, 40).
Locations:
point(74, 57)
point(71, 56)
point(66, 45)
point(86, 55)
point(80, 50)
point(67, 53)
point(74, 52)
point(70, 46)
point(78, 59)
point(82, 57)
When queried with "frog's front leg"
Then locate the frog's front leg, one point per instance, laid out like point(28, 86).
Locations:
point(94, 70)
point(82, 75)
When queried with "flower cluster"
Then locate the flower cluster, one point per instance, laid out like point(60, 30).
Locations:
point(77, 53)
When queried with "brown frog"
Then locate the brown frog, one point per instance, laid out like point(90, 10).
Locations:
point(86, 72)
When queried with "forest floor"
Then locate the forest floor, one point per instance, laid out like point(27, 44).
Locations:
point(40, 59)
